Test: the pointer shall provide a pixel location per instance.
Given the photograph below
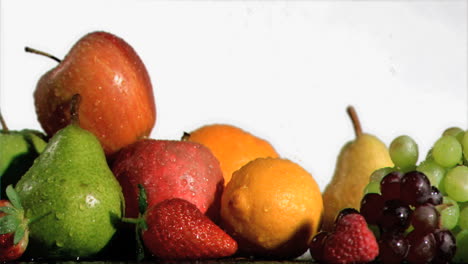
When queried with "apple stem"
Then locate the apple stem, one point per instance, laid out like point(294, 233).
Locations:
point(75, 107)
point(35, 51)
point(4, 125)
point(354, 118)
point(185, 136)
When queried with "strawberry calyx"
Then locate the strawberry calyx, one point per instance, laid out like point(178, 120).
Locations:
point(12, 218)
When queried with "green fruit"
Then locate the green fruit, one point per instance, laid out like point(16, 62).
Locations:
point(72, 188)
point(18, 150)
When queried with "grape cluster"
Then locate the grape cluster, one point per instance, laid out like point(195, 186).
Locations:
point(419, 210)
point(407, 219)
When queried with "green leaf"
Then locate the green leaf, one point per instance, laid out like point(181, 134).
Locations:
point(19, 234)
point(142, 199)
point(8, 224)
point(13, 197)
point(9, 210)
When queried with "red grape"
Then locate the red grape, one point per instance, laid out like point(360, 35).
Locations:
point(414, 188)
point(390, 185)
point(371, 207)
point(425, 218)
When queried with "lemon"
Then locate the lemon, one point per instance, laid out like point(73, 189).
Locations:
point(272, 207)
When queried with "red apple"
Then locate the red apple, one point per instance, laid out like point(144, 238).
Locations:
point(169, 169)
point(117, 96)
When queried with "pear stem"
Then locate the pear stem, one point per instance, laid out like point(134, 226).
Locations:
point(75, 107)
point(35, 51)
point(4, 125)
point(354, 118)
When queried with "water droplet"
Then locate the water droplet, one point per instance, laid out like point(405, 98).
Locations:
point(183, 182)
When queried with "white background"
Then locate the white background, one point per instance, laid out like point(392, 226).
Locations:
point(284, 71)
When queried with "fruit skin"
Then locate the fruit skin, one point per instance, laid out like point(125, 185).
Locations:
point(169, 169)
point(17, 153)
point(232, 146)
point(8, 250)
point(272, 208)
point(117, 96)
point(178, 230)
point(351, 242)
point(356, 162)
point(71, 186)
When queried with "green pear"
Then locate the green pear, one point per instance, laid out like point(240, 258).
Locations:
point(18, 150)
point(72, 191)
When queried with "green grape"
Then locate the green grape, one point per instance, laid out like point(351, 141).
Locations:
point(465, 145)
point(447, 151)
point(461, 255)
point(378, 175)
point(372, 187)
point(456, 183)
point(463, 220)
point(456, 132)
point(433, 171)
point(429, 156)
point(449, 213)
point(452, 131)
point(442, 187)
point(404, 152)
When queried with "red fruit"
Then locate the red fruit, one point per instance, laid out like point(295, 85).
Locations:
point(117, 95)
point(169, 169)
point(9, 251)
point(177, 230)
point(351, 242)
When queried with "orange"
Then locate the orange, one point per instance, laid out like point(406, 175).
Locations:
point(272, 207)
point(232, 146)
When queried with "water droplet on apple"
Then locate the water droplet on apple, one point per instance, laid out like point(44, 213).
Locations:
point(183, 182)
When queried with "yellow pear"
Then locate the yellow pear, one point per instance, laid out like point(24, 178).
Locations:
point(356, 162)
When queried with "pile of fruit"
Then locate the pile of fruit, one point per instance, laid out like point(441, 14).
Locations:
point(94, 186)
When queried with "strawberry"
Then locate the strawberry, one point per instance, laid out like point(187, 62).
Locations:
point(350, 242)
point(13, 228)
point(178, 230)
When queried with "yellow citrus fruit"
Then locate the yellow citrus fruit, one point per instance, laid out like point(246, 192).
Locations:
point(272, 207)
point(232, 146)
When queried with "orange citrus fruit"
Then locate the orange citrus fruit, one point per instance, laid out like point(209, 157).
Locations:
point(232, 146)
point(272, 207)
